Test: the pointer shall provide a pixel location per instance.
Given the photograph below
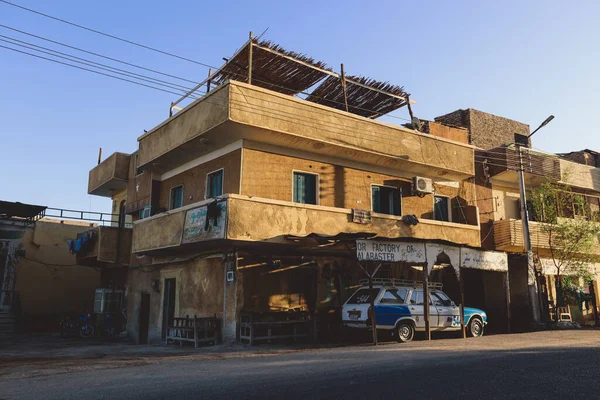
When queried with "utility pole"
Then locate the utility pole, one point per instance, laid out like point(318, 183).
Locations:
point(531, 276)
point(531, 273)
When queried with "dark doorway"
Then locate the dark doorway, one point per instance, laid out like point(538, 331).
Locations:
point(168, 305)
point(144, 318)
point(486, 290)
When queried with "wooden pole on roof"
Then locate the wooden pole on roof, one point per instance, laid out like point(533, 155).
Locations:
point(410, 112)
point(250, 60)
point(344, 87)
point(208, 81)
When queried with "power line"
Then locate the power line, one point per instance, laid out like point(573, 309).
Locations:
point(174, 55)
point(106, 34)
point(95, 64)
point(90, 70)
point(97, 54)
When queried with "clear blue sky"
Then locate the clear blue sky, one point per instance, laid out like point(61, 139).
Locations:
point(523, 60)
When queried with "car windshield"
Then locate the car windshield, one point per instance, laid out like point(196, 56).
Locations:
point(363, 296)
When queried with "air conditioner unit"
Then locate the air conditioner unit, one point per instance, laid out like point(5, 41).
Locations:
point(423, 185)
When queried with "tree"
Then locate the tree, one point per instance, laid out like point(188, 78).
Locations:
point(572, 229)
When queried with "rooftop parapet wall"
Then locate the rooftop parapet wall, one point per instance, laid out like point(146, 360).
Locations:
point(240, 111)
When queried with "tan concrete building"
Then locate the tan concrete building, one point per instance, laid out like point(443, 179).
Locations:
point(249, 199)
point(502, 224)
point(41, 281)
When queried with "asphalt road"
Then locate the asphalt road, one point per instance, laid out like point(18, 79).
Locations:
point(543, 365)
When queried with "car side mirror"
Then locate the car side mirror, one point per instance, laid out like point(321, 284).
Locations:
point(452, 303)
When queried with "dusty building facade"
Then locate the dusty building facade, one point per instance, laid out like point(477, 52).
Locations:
point(41, 282)
point(502, 224)
point(250, 199)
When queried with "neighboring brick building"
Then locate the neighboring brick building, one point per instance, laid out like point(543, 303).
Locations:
point(585, 157)
point(485, 130)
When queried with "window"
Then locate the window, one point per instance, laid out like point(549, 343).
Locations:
point(363, 296)
point(441, 208)
point(393, 296)
point(416, 298)
point(176, 199)
point(386, 200)
point(145, 212)
point(214, 184)
point(108, 301)
point(305, 188)
point(440, 299)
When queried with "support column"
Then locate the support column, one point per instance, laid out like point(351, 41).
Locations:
point(426, 301)
point(463, 328)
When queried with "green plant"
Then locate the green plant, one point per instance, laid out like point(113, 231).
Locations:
point(572, 229)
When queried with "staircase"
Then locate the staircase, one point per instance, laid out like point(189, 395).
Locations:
point(7, 323)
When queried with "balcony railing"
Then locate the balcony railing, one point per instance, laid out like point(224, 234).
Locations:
point(580, 175)
point(503, 163)
point(242, 220)
point(508, 236)
point(109, 176)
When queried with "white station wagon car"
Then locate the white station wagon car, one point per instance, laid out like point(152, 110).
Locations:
point(399, 307)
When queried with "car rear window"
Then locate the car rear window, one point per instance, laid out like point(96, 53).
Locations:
point(363, 296)
point(394, 296)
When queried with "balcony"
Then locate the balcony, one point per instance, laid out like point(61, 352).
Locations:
point(100, 248)
point(504, 165)
point(237, 111)
point(508, 236)
point(580, 175)
point(241, 220)
point(109, 176)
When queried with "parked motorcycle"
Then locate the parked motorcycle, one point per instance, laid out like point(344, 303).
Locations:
point(81, 326)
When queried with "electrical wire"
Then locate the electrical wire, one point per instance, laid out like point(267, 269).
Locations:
point(180, 57)
point(96, 65)
point(86, 69)
point(106, 34)
point(97, 54)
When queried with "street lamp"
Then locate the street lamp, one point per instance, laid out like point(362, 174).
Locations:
point(531, 278)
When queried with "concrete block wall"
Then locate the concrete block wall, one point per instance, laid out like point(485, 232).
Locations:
point(486, 130)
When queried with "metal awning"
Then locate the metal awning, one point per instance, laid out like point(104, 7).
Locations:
point(10, 210)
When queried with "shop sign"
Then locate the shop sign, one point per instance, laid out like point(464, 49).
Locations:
point(205, 223)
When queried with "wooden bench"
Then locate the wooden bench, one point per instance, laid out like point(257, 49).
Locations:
point(276, 325)
point(195, 330)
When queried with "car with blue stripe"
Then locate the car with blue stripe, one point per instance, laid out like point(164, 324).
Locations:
point(399, 308)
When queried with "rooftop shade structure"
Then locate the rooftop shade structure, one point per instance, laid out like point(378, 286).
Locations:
point(291, 73)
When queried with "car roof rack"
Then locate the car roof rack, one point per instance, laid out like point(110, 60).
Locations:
point(400, 282)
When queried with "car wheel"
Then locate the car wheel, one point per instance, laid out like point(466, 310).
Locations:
point(476, 327)
point(405, 332)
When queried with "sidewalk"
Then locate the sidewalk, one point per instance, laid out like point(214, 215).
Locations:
point(24, 356)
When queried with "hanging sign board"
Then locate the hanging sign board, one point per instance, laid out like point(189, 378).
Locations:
point(375, 250)
point(201, 223)
point(486, 260)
